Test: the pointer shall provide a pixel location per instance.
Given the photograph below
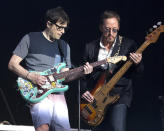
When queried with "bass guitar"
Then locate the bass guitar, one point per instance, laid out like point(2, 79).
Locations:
point(93, 113)
point(33, 93)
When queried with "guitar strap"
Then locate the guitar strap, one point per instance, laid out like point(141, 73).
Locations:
point(61, 50)
point(120, 41)
point(116, 54)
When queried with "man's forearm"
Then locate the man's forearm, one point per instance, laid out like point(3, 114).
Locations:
point(18, 69)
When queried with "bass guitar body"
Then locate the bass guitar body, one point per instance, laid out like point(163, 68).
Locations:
point(93, 113)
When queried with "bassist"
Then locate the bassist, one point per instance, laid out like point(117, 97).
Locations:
point(111, 44)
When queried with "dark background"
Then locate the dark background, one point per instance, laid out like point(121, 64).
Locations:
point(19, 17)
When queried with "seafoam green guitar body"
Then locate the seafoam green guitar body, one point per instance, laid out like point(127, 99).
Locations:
point(32, 93)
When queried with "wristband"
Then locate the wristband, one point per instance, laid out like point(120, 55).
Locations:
point(27, 75)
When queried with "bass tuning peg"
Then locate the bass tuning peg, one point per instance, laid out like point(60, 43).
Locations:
point(159, 23)
point(154, 26)
point(150, 30)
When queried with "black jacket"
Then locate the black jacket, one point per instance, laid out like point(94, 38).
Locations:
point(124, 85)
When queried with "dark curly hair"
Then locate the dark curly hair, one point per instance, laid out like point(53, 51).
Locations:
point(57, 15)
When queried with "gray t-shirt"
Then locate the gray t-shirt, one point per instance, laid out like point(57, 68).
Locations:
point(40, 54)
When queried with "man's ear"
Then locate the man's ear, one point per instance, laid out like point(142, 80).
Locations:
point(49, 24)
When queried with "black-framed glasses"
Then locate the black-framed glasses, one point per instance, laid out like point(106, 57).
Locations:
point(59, 28)
point(114, 30)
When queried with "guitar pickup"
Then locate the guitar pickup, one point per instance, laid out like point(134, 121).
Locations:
point(94, 104)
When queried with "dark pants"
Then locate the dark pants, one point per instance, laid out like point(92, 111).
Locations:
point(115, 119)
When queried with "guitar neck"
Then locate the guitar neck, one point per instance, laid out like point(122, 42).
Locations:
point(125, 67)
point(77, 70)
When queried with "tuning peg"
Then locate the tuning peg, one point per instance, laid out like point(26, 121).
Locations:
point(150, 30)
point(154, 26)
point(159, 23)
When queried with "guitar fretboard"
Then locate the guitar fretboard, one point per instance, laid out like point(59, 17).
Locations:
point(110, 85)
point(77, 70)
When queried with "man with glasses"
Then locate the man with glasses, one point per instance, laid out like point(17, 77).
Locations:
point(111, 44)
point(41, 51)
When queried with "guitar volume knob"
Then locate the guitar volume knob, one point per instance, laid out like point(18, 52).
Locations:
point(40, 91)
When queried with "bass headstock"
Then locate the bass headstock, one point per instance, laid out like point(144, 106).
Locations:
point(155, 32)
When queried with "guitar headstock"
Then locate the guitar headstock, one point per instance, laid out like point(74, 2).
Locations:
point(116, 59)
point(155, 32)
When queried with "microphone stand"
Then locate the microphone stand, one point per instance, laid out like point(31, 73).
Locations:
point(73, 66)
point(79, 104)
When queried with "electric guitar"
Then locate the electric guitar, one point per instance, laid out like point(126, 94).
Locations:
point(93, 113)
point(33, 93)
